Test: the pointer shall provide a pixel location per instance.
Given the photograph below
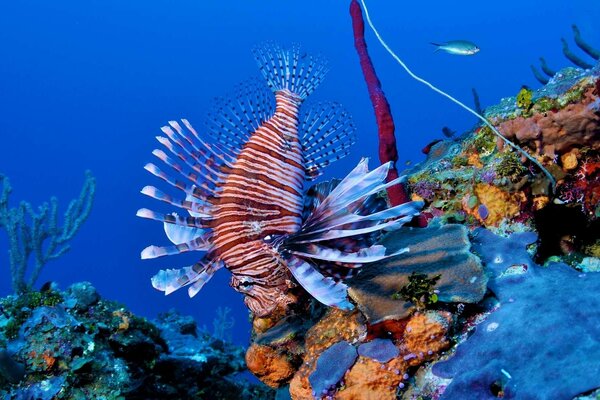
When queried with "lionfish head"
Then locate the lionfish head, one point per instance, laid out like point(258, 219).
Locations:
point(264, 292)
point(261, 296)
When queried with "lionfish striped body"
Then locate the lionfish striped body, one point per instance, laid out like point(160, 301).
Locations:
point(245, 193)
point(262, 196)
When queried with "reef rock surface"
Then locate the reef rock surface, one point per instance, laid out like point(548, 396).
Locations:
point(76, 345)
point(467, 312)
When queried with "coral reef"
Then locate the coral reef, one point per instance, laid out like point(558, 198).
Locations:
point(76, 345)
point(414, 307)
point(542, 340)
point(560, 130)
point(347, 354)
point(42, 238)
point(476, 181)
point(376, 374)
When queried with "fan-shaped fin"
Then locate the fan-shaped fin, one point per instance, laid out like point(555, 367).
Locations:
point(182, 234)
point(347, 220)
point(327, 133)
point(349, 196)
point(290, 69)
point(196, 162)
point(191, 204)
point(324, 289)
point(203, 192)
point(197, 275)
point(194, 222)
point(198, 243)
point(366, 255)
point(233, 119)
point(332, 234)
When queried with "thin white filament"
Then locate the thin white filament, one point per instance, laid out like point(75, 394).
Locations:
point(435, 89)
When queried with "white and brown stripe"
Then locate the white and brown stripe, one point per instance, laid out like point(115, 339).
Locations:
point(262, 195)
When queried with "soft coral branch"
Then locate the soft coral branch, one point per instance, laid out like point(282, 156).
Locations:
point(385, 123)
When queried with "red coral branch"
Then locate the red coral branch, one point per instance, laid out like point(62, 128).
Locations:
point(387, 141)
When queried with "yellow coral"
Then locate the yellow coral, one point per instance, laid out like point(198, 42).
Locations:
point(569, 160)
point(416, 197)
point(540, 202)
point(124, 324)
point(474, 160)
point(500, 205)
point(524, 98)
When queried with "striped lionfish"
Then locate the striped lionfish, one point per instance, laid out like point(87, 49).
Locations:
point(244, 192)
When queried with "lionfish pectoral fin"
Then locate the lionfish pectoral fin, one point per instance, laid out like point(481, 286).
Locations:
point(195, 206)
point(324, 289)
point(199, 243)
point(182, 234)
point(351, 207)
point(170, 280)
point(365, 255)
point(289, 69)
point(327, 133)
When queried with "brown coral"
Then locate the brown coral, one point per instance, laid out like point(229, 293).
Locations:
point(432, 251)
point(554, 133)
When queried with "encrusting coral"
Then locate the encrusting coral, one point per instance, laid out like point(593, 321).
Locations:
point(437, 252)
point(545, 327)
point(474, 180)
point(292, 350)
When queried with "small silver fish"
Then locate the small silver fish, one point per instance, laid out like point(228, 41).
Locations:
point(458, 47)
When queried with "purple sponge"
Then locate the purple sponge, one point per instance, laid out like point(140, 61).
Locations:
point(331, 367)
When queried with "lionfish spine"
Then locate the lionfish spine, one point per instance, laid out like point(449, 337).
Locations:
point(244, 191)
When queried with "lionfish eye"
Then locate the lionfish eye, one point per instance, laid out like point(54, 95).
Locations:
point(245, 286)
point(268, 239)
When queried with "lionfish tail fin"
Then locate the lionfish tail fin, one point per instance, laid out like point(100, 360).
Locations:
point(290, 69)
point(327, 132)
point(170, 280)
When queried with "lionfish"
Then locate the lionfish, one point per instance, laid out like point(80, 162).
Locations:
point(244, 192)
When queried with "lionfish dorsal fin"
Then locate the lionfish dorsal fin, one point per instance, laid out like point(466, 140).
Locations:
point(232, 119)
point(327, 133)
point(290, 69)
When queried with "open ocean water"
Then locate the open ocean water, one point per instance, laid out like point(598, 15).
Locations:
point(87, 85)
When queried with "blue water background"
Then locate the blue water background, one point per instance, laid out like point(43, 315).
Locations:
point(88, 84)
